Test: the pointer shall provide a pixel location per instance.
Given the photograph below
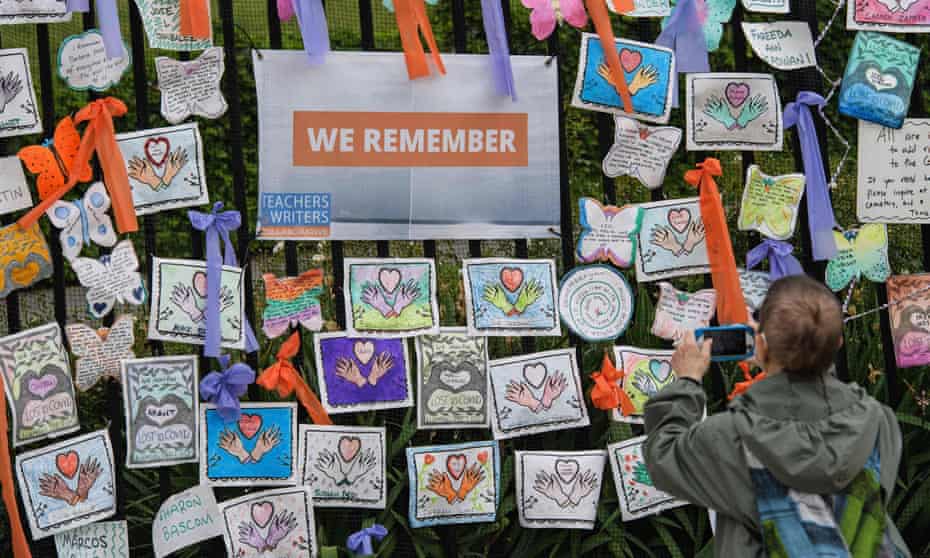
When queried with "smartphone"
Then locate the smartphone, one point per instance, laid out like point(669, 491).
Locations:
point(731, 342)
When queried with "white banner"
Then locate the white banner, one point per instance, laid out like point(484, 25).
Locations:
point(353, 149)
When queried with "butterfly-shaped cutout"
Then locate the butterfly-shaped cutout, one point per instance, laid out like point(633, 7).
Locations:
point(678, 312)
point(100, 351)
point(713, 15)
point(641, 151)
point(860, 252)
point(608, 233)
point(52, 161)
point(546, 14)
point(191, 87)
point(110, 279)
point(82, 221)
point(770, 203)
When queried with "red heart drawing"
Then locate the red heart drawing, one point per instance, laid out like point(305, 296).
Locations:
point(630, 60)
point(644, 133)
point(156, 150)
point(483, 456)
point(348, 447)
point(736, 93)
point(679, 219)
point(67, 463)
point(455, 464)
point(249, 425)
point(511, 278)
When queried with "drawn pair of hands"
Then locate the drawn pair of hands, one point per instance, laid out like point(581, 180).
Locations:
point(267, 440)
point(441, 484)
point(663, 237)
point(187, 299)
point(521, 394)
point(279, 527)
point(495, 295)
point(646, 76)
point(374, 297)
point(718, 109)
point(548, 485)
point(142, 170)
point(54, 486)
point(328, 463)
point(347, 369)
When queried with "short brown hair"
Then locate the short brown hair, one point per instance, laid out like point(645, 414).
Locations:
point(803, 325)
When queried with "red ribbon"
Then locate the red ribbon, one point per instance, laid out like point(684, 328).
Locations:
point(99, 136)
point(741, 387)
point(607, 393)
point(195, 19)
point(285, 379)
point(411, 20)
point(597, 9)
point(731, 306)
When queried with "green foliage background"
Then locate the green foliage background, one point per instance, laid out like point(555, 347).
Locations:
point(680, 532)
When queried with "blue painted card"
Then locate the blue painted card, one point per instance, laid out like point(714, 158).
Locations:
point(878, 80)
point(454, 484)
point(648, 70)
point(259, 449)
point(505, 297)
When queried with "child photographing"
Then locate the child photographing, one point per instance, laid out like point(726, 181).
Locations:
point(801, 464)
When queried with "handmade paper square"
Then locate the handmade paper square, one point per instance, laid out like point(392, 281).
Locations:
point(638, 496)
point(909, 314)
point(100, 351)
point(258, 450)
point(903, 16)
point(179, 303)
point(505, 297)
point(783, 45)
point(185, 518)
point(770, 203)
point(454, 483)
point(19, 113)
point(879, 79)
point(162, 22)
point(165, 167)
point(452, 380)
point(344, 466)
point(67, 484)
point(886, 190)
point(14, 191)
point(678, 312)
point(24, 258)
point(559, 489)
point(645, 372)
point(37, 377)
point(735, 112)
point(104, 539)
point(647, 69)
point(391, 297)
point(671, 240)
point(362, 374)
point(161, 402)
point(275, 523)
point(536, 393)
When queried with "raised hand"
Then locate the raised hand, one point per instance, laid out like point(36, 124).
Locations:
point(694, 237)
point(584, 485)
point(555, 385)
point(646, 76)
point(328, 464)
point(183, 297)
point(10, 86)
point(664, 238)
point(496, 297)
point(347, 369)
point(373, 297)
point(382, 365)
point(470, 479)
point(409, 292)
point(530, 294)
point(718, 109)
point(53, 486)
point(142, 171)
point(87, 476)
point(232, 444)
point(755, 107)
point(173, 166)
point(441, 485)
point(362, 466)
point(548, 486)
point(281, 526)
point(249, 535)
point(521, 394)
point(267, 440)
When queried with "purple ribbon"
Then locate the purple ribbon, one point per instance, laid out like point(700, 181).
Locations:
point(312, 20)
point(781, 262)
point(285, 9)
point(108, 20)
point(217, 225)
point(499, 51)
point(359, 542)
point(684, 34)
point(226, 387)
point(820, 218)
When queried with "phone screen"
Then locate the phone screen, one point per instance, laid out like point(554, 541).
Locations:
point(727, 342)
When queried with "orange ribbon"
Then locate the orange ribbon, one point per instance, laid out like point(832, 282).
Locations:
point(597, 9)
point(285, 379)
point(731, 306)
point(99, 136)
point(741, 387)
point(195, 19)
point(20, 546)
point(607, 394)
point(411, 20)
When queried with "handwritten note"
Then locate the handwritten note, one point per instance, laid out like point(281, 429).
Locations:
point(641, 151)
point(14, 192)
point(767, 6)
point(83, 62)
point(184, 519)
point(105, 539)
point(191, 87)
point(785, 45)
point(895, 186)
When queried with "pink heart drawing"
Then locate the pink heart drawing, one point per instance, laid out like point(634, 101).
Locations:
point(40, 387)
point(455, 464)
point(348, 447)
point(630, 60)
point(511, 278)
point(389, 279)
point(364, 350)
point(156, 150)
point(200, 283)
point(262, 512)
point(737, 93)
point(679, 219)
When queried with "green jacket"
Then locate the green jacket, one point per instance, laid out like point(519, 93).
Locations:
point(809, 442)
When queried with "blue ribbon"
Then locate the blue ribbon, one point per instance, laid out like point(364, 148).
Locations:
point(311, 17)
point(781, 262)
point(820, 218)
point(684, 34)
point(359, 542)
point(226, 387)
point(499, 51)
point(108, 19)
point(217, 225)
